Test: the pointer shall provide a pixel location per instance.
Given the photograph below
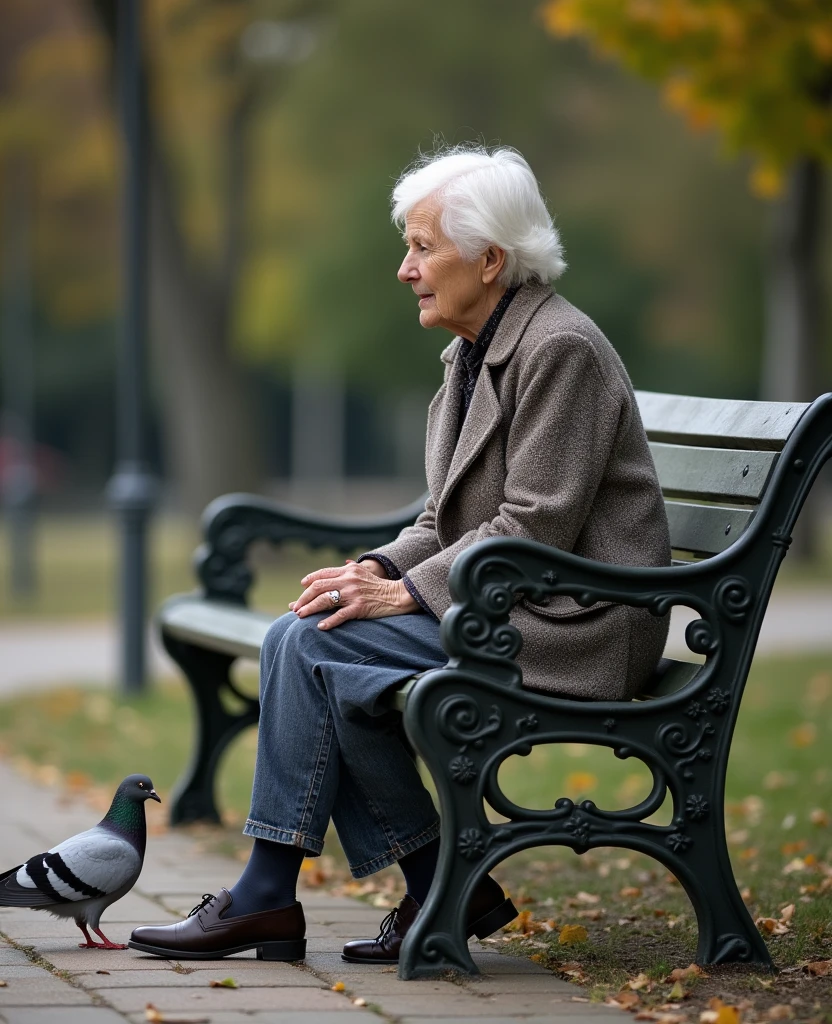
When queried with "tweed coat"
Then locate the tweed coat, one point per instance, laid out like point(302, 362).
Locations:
point(552, 449)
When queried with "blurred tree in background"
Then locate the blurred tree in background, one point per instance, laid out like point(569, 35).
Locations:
point(278, 129)
point(761, 74)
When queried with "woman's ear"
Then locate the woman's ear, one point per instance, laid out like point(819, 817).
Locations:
point(494, 259)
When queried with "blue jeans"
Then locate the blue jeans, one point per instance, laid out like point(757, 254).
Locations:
point(329, 745)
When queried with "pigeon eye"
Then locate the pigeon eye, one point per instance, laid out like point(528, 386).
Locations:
point(141, 785)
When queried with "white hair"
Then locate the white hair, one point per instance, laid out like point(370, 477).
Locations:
point(486, 198)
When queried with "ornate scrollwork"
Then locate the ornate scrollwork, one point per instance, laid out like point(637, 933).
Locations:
point(528, 723)
point(679, 842)
point(731, 947)
point(498, 598)
point(674, 736)
point(460, 721)
point(579, 827)
point(697, 807)
point(480, 635)
point(718, 700)
point(463, 770)
point(699, 636)
point(471, 844)
point(733, 598)
point(694, 710)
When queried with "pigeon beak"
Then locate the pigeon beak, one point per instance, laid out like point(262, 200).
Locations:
point(155, 796)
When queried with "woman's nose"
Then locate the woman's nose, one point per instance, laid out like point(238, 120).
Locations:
point(408, 271)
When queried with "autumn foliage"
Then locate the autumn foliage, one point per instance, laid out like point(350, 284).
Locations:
point(758, 72)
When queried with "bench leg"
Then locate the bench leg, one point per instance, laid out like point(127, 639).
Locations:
point(727, 934)
point(207, 673)
point(437, 941)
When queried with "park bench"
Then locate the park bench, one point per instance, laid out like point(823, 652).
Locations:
point(735, 475)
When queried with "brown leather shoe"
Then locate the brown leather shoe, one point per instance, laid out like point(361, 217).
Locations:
point(489, 910)
point(205, 935)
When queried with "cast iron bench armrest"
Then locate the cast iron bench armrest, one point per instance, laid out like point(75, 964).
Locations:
point(488, 578)
point(233, 522)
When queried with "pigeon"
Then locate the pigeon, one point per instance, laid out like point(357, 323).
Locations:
point(83, 875)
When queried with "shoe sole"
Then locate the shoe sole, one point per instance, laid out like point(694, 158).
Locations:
point(294, 949)
point(486, 925)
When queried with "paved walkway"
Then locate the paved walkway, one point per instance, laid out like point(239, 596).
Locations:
point(44, 654)
point(50, 981)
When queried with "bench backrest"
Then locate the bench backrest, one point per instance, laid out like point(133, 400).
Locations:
point(714, 459)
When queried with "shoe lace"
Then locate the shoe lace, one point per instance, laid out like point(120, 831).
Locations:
point(207, 898)
point(387, 924)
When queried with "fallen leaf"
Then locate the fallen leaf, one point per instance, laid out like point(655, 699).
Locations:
point(572, 933)
point(683, 973)
point(359, 1002)
point(225, 983)
point(591, 915)
point(787, 913)
point(572, 969)
point(587, 897)
point(629, 892)
point(102, 972)
point(677, 992)
point(339, 986)
point(4, 984)
point(770, 926)
point(155, 1016)
point(795, 864)
point(624, 1000)
point(819, 817)
point(820, 968)
point(803, 735)
point(780, 1012)
point(639, 982)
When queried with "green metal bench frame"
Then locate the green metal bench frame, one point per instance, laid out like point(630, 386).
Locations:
point(752, 464)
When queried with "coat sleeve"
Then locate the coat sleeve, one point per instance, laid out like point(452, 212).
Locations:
point(559, 443)
point(412, 546)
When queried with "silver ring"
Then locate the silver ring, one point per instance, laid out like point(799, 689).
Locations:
point(334, 596)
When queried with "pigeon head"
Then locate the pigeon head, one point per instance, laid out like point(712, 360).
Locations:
point(137, 789)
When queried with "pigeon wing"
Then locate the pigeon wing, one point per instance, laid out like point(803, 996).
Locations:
point(86, 866)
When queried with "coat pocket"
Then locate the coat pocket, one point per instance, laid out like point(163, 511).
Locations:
point(562, 606)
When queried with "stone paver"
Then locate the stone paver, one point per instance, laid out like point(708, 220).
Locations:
point(107, 986)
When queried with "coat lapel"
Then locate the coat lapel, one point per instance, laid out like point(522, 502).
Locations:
point(451, 459)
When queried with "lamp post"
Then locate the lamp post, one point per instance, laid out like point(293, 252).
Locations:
point(132, 488)
point(19, 484)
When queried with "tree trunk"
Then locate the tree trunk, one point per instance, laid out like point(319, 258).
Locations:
point(793, 330)
point(211, 438)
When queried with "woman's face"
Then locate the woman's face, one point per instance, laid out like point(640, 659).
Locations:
point(452, 292)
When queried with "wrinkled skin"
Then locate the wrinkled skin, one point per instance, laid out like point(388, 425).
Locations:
point(454, 294)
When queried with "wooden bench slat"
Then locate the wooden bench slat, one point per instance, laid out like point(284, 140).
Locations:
point(227, 628)
point(717, 422)
point(705, 529)
point(725, 474)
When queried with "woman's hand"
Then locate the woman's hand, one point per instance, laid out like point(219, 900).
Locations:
point(365, 594)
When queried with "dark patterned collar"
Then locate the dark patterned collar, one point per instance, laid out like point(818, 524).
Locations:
point(473, 353)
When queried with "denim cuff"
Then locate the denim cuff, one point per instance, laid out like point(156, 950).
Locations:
point(311, 845)
point(417, 597)
point(384, 860)
point(391, 570)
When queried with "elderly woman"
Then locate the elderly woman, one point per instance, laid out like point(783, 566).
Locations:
point(534, 433)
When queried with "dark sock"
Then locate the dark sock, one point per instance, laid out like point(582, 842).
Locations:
point(269, 880)
point(419, 868)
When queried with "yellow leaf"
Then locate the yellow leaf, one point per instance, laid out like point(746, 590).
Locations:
point(225, 983)
point(803, 735)
point(677, 992)
point(579, 783)
point(339, 986)
point(572, 933)
point(767, 182)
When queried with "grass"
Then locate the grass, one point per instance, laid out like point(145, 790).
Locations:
point(637, 919)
